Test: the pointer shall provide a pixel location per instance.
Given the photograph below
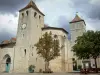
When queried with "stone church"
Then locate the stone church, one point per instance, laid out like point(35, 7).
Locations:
point(17, 54)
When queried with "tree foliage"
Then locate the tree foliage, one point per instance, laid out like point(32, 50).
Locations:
point(48, 47)
point(88, 46)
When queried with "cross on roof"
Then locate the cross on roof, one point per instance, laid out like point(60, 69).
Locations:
point(76, 13)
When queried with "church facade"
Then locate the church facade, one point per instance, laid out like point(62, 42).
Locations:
point(17, 54)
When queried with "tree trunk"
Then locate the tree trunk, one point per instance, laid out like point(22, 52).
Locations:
point(96, 65)
point(46, 66)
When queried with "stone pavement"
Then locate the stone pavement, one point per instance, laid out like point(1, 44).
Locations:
point(45, 74)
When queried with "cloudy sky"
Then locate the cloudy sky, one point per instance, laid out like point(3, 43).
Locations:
point(58, 13)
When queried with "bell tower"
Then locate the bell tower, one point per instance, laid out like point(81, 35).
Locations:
point(31, 20)
point(78, 27)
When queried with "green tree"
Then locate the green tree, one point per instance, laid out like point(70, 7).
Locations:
point(88, 46)
point(48, 48)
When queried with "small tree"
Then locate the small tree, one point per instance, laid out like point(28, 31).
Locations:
point(48, 48)
point(88, 46)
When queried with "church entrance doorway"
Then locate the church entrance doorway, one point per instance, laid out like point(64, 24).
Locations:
point(7, 62)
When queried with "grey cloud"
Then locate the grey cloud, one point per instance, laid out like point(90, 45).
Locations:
point(63, 22)
point(9, 21)
point(85, 7)
point(95, 24)
point(4, 35)
point(80, 2)
point(11, 6)
point(82, 6)
point(95, 12)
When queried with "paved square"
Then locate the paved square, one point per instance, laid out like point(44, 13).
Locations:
point(46, 74)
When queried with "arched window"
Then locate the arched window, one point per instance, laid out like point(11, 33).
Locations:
point(25, 51)
point(55, 36)
point(22, 14)
point(27, 13)
point(39, 17)
point(35, 14)
point(64, 36)
point(73, 59)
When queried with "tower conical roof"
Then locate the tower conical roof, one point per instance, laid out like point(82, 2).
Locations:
point(76, 19)
point(33, 5)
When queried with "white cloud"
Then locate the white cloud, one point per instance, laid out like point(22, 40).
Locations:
point(95, 2)
point(8, 23)
point(89, 27)
point(55, 8)
point(93, 24)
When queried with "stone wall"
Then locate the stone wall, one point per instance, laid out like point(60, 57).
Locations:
point(6, 51)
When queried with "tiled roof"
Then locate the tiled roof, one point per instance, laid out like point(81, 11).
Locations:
point(54, 28)
point(5, 42)
point(76, 19)
point(45, 25)
point(33, 5)
point(13, 39)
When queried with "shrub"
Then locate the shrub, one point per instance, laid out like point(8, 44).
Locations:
point(31, 68)
point(79, 67)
